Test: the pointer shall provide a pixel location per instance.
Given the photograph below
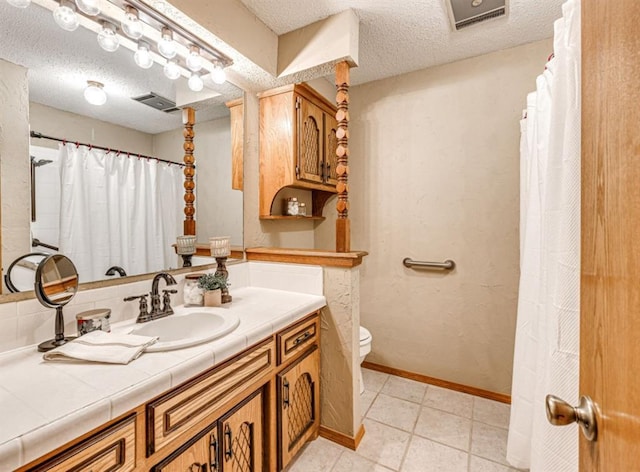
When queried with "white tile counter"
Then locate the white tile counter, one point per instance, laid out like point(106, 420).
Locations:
point(43, 405)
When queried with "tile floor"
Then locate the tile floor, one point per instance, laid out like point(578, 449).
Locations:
point(414, 427)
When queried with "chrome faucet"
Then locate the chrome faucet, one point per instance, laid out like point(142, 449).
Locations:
point(157, 311)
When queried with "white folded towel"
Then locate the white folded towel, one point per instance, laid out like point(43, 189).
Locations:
point(99, 346)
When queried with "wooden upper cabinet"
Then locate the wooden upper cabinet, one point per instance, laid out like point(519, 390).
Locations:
point(297, 146)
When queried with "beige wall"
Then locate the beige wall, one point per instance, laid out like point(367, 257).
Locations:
point(63, 124)
point(435, 175)
point(218, 206)
point(14, 161)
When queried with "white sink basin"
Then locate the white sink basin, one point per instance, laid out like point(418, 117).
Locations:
point(187, 329)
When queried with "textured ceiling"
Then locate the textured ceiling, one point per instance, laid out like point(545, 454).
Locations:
point(399, 36)
point(61, 62)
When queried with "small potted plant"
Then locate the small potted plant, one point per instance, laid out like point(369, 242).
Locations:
point(212, 285)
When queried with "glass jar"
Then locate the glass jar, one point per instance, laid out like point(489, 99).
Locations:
point(193, 295)
point(292, 207)
point(302, 209)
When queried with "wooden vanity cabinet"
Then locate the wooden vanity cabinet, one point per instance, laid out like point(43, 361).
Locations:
point(252, 413)
point(297, 146)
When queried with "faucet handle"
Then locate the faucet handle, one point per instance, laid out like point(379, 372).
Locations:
point(166, 301)
point(144, 312)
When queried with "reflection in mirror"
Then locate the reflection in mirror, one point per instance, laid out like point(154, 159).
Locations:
point(21, 274)
point(58, 65)
point(56, 284)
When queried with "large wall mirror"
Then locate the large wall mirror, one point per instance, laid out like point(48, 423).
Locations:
point(59, 65)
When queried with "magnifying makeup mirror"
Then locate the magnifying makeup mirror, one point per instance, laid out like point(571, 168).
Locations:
point(21, 273)
point(56, 284)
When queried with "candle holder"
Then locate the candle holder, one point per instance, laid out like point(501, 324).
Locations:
point(221, 270)
point(186, 248)
point(220, 246)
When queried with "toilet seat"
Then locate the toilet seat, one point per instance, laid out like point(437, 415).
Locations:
point(365, 335)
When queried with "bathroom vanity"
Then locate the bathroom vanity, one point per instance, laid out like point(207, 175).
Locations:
point(245, 402)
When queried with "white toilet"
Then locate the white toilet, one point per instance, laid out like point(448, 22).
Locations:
point(365, 348)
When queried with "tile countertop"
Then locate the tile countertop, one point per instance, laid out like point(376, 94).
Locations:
point(43, 405)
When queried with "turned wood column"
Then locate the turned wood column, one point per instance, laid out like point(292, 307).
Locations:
point(343, 225)
point(189, 120)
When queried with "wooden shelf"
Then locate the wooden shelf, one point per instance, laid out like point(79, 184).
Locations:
point(287, 217)
point(306, 256)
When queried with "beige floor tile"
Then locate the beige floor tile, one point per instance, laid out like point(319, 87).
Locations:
point(489, 442)
point(406, 389)
point(317, 456)
point(394, 412)
point(477, 464)
point(374, 380)
point(491, 412)
point(424, 455)
point(445, 428)
point(349, 461)
point(383, 444)
point(450, 401)
point(366, 399)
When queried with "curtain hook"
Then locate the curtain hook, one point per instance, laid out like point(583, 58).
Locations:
point(77, 144)
point(64, 142)
point(138, 156)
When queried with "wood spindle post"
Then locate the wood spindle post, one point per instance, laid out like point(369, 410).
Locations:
point(189, 120)
point(343, 225)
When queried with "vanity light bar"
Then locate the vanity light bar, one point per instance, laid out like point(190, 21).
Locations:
point(157, 20)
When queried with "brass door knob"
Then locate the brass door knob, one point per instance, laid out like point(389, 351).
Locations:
point(560, 413)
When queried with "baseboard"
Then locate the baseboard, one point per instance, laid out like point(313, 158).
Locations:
point(343, 439)
point(499, 397)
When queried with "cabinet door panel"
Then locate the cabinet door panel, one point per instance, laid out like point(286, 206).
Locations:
point(331, 145)
point(298, 400)
point(243, 437)
point(198, 455)
point(310, 141)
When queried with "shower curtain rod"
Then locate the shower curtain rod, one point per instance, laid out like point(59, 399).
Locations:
point(35, 134)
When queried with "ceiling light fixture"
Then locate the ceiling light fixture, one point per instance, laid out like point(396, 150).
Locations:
point(195, 82)
point(172, 70)
point(19, 3)
point(94, 93)
point(131, 24)
point(218, 75)
point(476, 3)
point(90, 7)
point(107, 37)
point(167, 46)
point(194, 59)
point(143, 55)
point(65, 16)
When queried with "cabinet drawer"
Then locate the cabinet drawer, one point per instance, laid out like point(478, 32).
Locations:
point(112, 450)
point(294, 340)
point(178, 410)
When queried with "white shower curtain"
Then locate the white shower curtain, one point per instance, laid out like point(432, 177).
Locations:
point(546, 358)
point(117, 210)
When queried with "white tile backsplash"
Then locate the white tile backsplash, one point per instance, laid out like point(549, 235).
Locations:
point(28, 322)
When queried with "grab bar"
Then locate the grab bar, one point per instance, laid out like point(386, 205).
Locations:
point(411, 264)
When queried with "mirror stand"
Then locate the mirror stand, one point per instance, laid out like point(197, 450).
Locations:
point(60, 338)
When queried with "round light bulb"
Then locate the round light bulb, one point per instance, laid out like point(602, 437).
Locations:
point(194, 59)
point(131, 24)
point(66, 17)
point(19, 3)
point(94, 93)
point(143, 56)
point(107, 37)
point(172, 70)
point(218, 75)
point(167, 46)
point(195, 82)
point(90, 7)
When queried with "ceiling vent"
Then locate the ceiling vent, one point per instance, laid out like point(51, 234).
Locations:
point(154, 100)
point(465, 13)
